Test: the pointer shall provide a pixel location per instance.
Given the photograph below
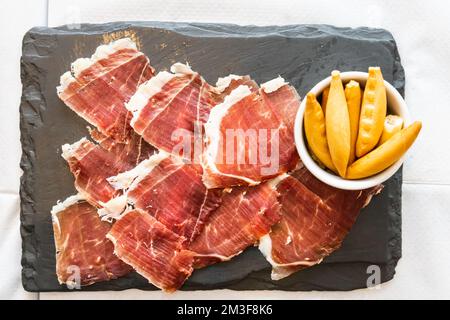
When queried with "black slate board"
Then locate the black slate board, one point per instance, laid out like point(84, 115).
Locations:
point(302, 54)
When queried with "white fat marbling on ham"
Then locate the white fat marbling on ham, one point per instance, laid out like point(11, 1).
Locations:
point(273, 85)
point(62, 205)
point(223, 83)
point(181, 68)
point(113, 209)
point(146, 91)
point(131, 178)
point(69, 150)
point(102, 52)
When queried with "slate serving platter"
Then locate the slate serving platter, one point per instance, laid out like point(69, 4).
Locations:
point(302, 54)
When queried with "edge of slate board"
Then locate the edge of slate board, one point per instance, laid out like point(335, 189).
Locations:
point(32, 109)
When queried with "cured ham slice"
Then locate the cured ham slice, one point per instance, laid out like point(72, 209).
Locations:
point(170, 109)
point(246, 214)
point(83, 253)
point(91, 165)
point(97, 88)
point(315, 220)
point(132, 151)
point(169, 190)
point(341, 200)
point(250, 136)
point(153, 250)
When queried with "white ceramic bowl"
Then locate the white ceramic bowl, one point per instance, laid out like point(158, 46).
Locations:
point(396, 106)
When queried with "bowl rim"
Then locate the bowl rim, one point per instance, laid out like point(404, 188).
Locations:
point(395, 100)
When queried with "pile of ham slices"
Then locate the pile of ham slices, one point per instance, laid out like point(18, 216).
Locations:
point(145, 205)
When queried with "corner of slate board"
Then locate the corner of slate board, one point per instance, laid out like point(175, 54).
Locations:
point(302, 54)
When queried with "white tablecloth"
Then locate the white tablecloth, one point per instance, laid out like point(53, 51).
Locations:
point(422, 32)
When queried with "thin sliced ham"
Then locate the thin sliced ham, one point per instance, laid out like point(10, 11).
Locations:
point(170, 109)
point(249, 137)
point(315, 218)
point(83, 253)
point(153, 250)
point(246, 214)
point(131, 151)
point(91, 165)
point(169, 190)
point(341, 200)
point(97, 88)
